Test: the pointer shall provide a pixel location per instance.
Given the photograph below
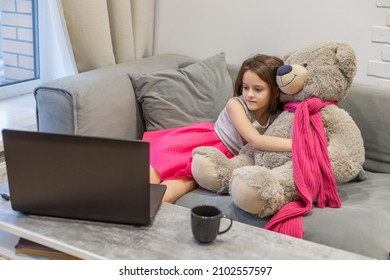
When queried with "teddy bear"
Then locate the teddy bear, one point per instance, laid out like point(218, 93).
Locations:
point(262, 183)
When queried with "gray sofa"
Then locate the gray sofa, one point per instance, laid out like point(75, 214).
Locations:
point(103, 103)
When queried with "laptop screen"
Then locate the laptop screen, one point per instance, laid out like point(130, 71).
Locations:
point(78, 177)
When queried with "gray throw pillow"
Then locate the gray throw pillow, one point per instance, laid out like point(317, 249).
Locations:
point(178, 97)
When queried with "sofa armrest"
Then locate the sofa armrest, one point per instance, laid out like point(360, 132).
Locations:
point(100, 102)
point(96, 103)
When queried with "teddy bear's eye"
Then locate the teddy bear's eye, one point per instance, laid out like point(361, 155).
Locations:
point(304, 65)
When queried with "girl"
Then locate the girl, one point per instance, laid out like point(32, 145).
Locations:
point(245, 118)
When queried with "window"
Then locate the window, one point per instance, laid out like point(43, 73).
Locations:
point(19, 43)
point(53, 59)
point(19, 52)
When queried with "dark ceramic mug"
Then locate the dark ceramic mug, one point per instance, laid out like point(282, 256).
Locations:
point(205, 223)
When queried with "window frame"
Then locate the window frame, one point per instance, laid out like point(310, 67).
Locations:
point(39, 33)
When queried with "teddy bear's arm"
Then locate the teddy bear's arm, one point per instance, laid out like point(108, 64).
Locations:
point(345, 144)
point(212, 170)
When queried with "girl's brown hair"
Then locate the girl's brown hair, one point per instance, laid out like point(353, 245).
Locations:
point(265, 67)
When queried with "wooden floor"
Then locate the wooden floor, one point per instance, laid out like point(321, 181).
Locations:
point(18, 113)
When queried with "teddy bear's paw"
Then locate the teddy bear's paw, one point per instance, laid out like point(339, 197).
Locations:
point(256, 190)
point(210, 169)
point(205, 173)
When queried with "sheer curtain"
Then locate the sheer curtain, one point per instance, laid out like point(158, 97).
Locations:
point(55, 44)
point(106, 32)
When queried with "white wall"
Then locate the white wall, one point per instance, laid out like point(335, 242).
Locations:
point(201, 28)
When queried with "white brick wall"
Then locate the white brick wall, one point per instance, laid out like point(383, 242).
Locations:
point(17, 20)
point(24, 6)
point(383, 3)
point(17, 43)
point(379, 69)
point(25, 34)
point(381, 35)
point(8, 5)
point(8, 32)
point(26, 62)
point(386, 53)
point(18, 47)
point(18, 73)
point(388, 18)
point(11, 59)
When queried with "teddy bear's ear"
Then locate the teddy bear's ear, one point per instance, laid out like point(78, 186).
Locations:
point(347, 60)
point(285, 57)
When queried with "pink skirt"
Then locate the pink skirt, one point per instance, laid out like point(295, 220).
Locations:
point(171, 149)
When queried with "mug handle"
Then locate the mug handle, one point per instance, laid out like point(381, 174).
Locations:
point(231, 222)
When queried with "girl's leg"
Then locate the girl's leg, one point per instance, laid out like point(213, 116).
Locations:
point(154, 177)
point(177, 188)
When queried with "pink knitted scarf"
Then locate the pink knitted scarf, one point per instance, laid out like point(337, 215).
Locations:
point(312, 171)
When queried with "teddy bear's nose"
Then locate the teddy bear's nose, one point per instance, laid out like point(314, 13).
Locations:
point(283, 70)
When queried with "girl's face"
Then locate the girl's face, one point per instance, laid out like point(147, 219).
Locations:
point(256, 93)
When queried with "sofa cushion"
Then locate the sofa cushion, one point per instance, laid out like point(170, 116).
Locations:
point(99, 102)
point(368, 106)
point(195, 93)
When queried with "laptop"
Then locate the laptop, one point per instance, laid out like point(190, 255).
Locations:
point(80, 177)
